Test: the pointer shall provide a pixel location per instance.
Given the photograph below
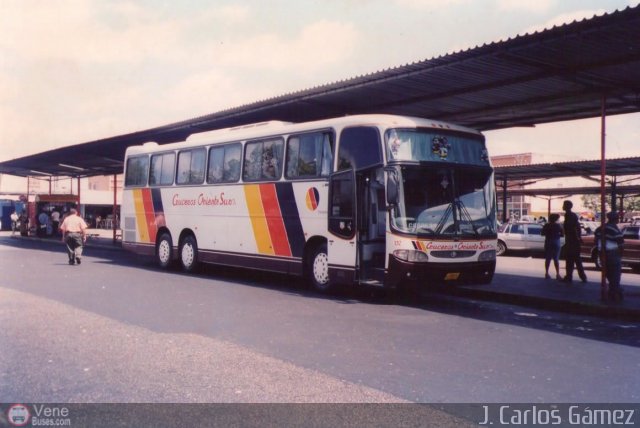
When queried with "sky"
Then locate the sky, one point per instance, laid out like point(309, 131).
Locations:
point(73, 71)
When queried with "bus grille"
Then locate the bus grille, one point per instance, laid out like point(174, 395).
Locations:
point(452, 254)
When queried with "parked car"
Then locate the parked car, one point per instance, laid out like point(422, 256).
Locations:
point(588, 227)
point(630, 251)
point(520, 237)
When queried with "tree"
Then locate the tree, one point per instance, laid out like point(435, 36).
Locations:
point(592, 202)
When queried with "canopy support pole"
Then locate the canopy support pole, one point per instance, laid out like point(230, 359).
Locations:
point(113, 211)
point(504, 200)
point(603, 210)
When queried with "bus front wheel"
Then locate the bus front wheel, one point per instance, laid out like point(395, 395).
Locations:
point(189, 254)
point(318, 269)
point(164, 251)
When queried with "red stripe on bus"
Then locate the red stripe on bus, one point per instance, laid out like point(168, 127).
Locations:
point(312, 198)
point(149, 214)
point(275, 223)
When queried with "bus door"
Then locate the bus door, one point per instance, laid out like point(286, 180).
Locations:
point(342, 248)
point(372, 226)
point(357, 223)
point(356, 195)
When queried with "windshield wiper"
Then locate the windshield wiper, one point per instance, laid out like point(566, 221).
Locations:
point(465, 215)
point(443, 219)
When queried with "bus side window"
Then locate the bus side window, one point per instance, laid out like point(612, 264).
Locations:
point(263, 160)
point(231, 168)
point(216, 161)
point(359, 148)
point(161, 171)
point(191, 165)
point(309, 155)
point(224, 164)
point(137, 171)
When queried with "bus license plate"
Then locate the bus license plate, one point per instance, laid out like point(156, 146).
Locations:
point(451, 276)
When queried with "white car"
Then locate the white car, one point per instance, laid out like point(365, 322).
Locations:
point(520, 237)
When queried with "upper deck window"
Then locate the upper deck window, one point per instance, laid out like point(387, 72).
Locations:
point(359, 148)
point(137, 171)
point(435, 145)
point(191, 164)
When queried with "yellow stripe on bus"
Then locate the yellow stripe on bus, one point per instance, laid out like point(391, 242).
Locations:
point(258, 220)
point(141, 221)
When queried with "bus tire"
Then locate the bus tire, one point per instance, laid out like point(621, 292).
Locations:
point(318, 269)
point(189, 254)
point(164, 251)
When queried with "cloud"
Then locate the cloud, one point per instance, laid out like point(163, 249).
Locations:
point(84, 31)
point(536, 6)
point(565, 18)
point(429, 4)
point(317, 45)
point(94, 69)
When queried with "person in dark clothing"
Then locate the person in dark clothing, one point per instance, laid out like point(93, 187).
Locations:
point(572, 241)
point(552, 233)
point(612, 254)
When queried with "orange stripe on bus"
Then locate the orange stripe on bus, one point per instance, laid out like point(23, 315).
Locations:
point(274, 220)
point(141, 221)
point(149, 214)
point(258, 221)
point(312, 204)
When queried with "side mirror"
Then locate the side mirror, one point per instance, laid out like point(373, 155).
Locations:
point(393, 196)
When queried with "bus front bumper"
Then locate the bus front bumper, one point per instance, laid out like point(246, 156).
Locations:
point(438, 273)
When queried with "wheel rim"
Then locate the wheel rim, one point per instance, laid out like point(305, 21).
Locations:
point(164, 251)
point(187, 255)
point(501, 248)
point(321, 269)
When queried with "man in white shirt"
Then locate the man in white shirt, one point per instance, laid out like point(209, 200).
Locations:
point(74, 234)
point(14, 222)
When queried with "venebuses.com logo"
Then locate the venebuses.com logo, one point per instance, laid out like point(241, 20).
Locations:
point(18, 415)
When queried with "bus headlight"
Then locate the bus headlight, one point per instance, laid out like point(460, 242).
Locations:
point(415, 256)
point(487, 256)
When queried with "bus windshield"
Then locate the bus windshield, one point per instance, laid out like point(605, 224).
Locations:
point(444, 200)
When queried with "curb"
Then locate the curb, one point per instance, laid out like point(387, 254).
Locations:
point(537, 302)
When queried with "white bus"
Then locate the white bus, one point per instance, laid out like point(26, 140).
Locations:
point(369, 199)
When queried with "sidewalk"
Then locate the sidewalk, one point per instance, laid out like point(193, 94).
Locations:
point(102, 238)
point(518, 281)
point(521, 283)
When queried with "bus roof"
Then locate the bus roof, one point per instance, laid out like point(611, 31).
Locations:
point(273, 128)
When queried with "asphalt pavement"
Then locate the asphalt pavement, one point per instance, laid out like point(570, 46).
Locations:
point(518, 281)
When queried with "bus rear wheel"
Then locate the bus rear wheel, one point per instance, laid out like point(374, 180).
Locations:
point(318, 269)
point(164, 251)
point(189, 254)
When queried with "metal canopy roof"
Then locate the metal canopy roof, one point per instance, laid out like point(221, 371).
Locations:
point(558, 74)
point(588, 168)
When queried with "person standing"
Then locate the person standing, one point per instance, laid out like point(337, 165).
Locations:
point(572, 241)
point(43, 223)
point(55, 221)
point(552, 233)
point(14, 222)
point(74, 235)
point(613, 242)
